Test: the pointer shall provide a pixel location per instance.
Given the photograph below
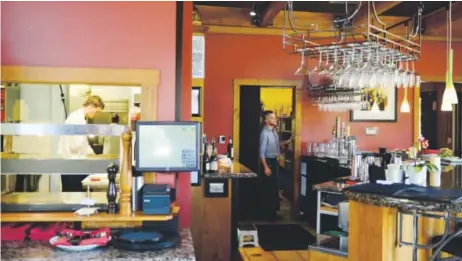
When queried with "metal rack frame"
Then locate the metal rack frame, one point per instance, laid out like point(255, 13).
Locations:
point(347, 39)
point(68, 165)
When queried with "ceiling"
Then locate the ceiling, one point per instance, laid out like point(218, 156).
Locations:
point(235, 14)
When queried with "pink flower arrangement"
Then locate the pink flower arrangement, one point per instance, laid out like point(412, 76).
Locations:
point(424, 144)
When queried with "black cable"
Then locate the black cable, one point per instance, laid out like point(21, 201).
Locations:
point(63, 99)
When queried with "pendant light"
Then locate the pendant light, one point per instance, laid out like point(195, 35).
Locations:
point(405, 108)
point(450, 93)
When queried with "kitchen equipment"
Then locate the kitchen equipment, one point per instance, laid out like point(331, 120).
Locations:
point(356, 161)
point(137, 190)
point(156, 199)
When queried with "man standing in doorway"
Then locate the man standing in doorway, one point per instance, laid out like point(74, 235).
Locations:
point(269, 154)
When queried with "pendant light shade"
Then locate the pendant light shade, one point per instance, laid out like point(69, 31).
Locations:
point(450, 93)
point(405, 106)
point(446, 106)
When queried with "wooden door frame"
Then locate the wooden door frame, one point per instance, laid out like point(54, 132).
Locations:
point(416, 117)
point(147, 79)
point(297, 85)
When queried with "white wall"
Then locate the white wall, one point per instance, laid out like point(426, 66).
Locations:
point(40, 103)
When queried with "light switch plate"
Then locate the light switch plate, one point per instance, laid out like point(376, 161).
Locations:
point(222, 139)
point(372, 131)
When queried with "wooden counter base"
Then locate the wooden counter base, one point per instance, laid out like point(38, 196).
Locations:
point(258, 254)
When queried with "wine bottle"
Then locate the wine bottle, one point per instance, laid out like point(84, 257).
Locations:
point(214, 161)
point(206, 161)
point(230, 149)
point(213, 144)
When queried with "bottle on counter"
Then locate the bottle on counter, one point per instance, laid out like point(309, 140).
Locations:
point(214, 161)
point(206, 160)
point(230, 149)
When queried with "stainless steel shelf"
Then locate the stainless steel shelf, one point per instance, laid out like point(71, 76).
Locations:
point(55, 166)
point(37, 129)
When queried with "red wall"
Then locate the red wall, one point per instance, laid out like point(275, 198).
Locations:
point(139, 35)
point(229, 57)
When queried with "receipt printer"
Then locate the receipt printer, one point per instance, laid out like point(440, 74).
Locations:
point(156, 199)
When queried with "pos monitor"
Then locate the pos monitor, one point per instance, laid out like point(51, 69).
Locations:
point(167, 146)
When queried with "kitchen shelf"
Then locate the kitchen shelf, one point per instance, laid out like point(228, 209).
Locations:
point(328, 210)
point(71, 217)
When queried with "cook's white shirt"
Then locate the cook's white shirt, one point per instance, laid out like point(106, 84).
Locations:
point(77, 144)
point(68, 146)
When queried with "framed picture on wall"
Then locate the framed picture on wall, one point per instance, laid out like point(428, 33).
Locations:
point(196, 101)
point(196, 178)
point(379, 105)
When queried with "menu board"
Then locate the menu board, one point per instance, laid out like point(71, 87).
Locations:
point(198, 57)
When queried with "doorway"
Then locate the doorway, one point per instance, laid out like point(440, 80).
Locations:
point(249, 102)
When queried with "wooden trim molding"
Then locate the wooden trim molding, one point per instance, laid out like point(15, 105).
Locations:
point(237, 83)
point(416, 118)
point(148, 80)
point(199, 82)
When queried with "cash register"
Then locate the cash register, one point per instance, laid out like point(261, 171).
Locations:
point(164, 147)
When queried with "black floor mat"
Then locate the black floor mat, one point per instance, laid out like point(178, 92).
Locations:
point(284, 237)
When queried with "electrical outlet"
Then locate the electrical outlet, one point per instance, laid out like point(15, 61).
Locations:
point(372, 131)
point(221, 139)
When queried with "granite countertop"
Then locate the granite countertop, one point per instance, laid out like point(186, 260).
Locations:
point(403, 204)
point(331, 186)
point(450, 179)
point(42, 251)
point(238, 171)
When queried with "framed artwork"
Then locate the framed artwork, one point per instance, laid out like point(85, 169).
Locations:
point(196, 178)
point(196, 101)
point(379, 105)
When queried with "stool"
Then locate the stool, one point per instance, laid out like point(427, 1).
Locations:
point(248, 235)
point(451, 245)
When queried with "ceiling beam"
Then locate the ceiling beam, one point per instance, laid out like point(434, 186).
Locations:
point(436, 23)
point(270, 12)
point(380, 7)
point(213, 29)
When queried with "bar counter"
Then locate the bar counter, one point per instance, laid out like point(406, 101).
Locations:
point(42, 251)
point(237, 171)
point(215, 232)
point(376, 222)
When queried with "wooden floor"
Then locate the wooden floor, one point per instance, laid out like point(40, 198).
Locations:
point(258, 254)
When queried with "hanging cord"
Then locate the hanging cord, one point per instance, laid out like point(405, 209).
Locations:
point(450, 25)
point(63, 100)
point(418, 28)
point(347, 20)
point(447, 36)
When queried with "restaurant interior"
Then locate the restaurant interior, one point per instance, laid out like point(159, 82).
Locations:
point(136, 132)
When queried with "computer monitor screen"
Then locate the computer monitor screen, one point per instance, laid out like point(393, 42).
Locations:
point(167, 146)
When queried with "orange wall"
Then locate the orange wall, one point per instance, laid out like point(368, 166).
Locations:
point(98, 34)
point(229, 57)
